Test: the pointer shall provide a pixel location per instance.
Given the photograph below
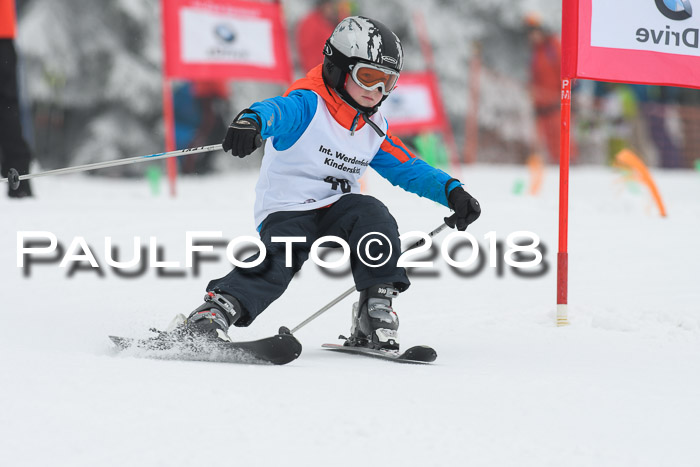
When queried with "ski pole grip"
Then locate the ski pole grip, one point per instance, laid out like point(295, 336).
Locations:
point(13, 179)
point(258, 141)
point(451, 221)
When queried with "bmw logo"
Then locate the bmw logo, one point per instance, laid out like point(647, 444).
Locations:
point(225, 33)
point(677, 10)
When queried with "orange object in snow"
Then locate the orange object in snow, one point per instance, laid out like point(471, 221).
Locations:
point(628, 159)
point(536, 166)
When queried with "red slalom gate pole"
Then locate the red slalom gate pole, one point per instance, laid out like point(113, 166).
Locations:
point(563, 254)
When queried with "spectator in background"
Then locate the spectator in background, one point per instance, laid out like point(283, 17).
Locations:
point(657, 104)
point(312, 32)
point(545, 85)
point(13, 148)
point(199, 121)
point(617, 107)
point(689, 108)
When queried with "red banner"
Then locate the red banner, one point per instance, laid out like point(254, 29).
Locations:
point(414, 106)
point(631, 41)
point(225, 39)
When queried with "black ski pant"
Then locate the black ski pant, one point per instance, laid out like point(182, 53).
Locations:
point(351, 218)
point(14, 151)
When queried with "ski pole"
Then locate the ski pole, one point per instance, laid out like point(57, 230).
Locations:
point(449, 222)
point(13, 177)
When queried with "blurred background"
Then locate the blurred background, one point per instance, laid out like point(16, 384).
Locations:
point(91, 86)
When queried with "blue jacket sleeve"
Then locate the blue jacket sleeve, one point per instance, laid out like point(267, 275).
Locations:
point(402, 168)
point(285, 118)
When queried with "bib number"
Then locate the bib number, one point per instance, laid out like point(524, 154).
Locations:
point(336, 183)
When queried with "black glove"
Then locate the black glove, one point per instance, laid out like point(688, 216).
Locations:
point(243, 136)
point(465, 206)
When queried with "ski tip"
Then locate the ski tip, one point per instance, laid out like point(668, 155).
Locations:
point(292, 349)
point(420, 353)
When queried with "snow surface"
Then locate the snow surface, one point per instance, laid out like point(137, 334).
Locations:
point(619, 387)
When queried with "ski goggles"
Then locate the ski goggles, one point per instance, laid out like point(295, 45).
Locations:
point(371, 77)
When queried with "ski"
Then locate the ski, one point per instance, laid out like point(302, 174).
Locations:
point(277, 350)
point(421, 354)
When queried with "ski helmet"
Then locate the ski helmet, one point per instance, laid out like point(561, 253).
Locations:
point(361, 40)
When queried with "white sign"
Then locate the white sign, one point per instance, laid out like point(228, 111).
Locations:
point(409, 103)
point(667, 26)
point(208, 37)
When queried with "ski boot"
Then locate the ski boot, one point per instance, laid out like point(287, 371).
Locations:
point(374, 322)
point(213, 318)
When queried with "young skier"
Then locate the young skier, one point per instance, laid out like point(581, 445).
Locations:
point(321, 136)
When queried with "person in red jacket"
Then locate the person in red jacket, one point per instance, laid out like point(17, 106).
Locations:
point(312, 32)
point(13, 148)
point(545, 85)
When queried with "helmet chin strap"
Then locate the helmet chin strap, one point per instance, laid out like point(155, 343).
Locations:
point(374, 126)
point(366, 112)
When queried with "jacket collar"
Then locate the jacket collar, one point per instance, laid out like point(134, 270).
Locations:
point(342, 112)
